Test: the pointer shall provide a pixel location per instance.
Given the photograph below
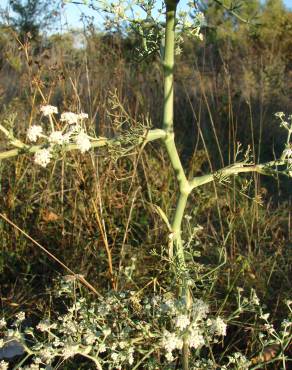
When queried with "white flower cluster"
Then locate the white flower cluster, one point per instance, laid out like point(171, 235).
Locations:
point(83, 141)
point(194, 326)
point(206, 364)
point(72, 133)
point(287, 152)
point(239, 360)
point(182, 321)
point(109, 332)
point(200, 310)
point(48, 110)
point(57, 137)
point(191, 25)
point(170, 342)
point(3, 365)
point(34, 132)
point(2, 323)
point(217, 326)
point(45, 325)
point(43, 157)
point(20, 316)
point(73, 118)
point(195, 336)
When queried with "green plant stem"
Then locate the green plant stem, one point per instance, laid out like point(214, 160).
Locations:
point(236, 168)
point(176, 228)
point(184, 188)
point(168, 65)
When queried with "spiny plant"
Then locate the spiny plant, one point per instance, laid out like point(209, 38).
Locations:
point(69, 133)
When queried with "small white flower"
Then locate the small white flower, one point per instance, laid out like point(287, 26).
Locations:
point(269, 328)
point(37, 360)
point(106, 332)
point(114, 356)
point(265, 316)
point(34, 132)
point(43, 157)
point(182, 321)
point(280, 114)
point(200, 309)
point(48, 110)
point(82, 115)
point(169, 356)
point(90, 338)
point(287, 152)
point(131, 356)
point(45, 325)
point(196, 339)
point(69, 117)
point(102, 348)
point(200, 17)
point(122, 344)
point(33, 367)
point(119, 11)
point(20, 316)
point(218, 326)
point(3, 365)
point(2, 323)
point(83, 142)
point(56, 137)
point(254, 298)
point(70, 351)
point(171, 341)
point(46, 354)
point(286, 323)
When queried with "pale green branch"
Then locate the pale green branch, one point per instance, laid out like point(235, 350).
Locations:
point(14, 142)
point(236, 168)
point(97, 143)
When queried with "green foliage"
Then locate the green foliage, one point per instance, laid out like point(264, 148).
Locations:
point(31, 16)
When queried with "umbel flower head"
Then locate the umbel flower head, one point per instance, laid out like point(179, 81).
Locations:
point(83, 142)
point(34, 132)
point(72, 133)
point(69, 117)
point(43, 157)
point(57, 137)
point(48, 110)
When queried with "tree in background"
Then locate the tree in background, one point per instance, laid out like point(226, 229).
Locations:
point(29, 17)
point(220, 16)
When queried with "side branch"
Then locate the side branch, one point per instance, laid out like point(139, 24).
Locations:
point(96, 143)
point(236, 168)
point(231, 10)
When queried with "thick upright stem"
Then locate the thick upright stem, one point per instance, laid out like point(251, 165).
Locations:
point(184, 186)
point(176, 228)
point(168, 65)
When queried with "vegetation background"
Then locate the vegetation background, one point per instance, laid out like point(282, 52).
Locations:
point(96, 212)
